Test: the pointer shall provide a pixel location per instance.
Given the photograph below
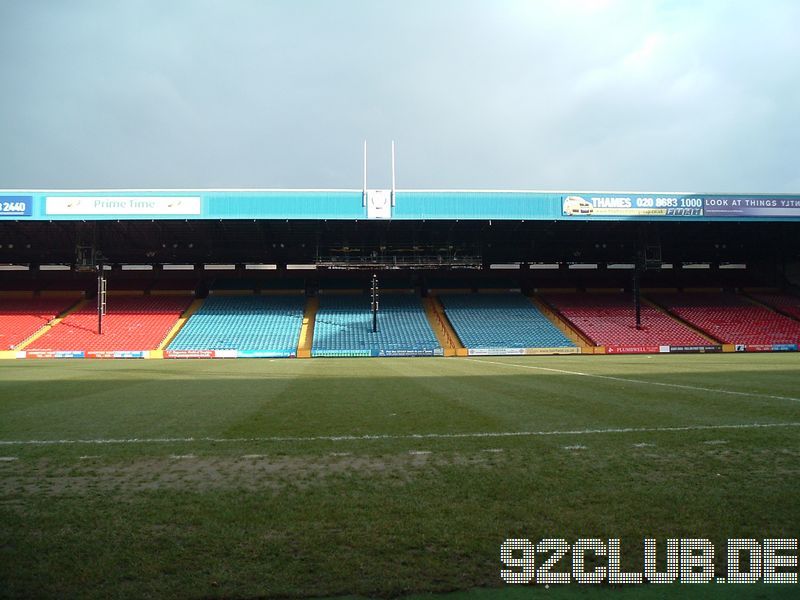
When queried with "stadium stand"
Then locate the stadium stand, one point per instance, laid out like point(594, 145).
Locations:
point(731, 318)
point(507, 320)
point(610, 320)
point(344, 326)
point(20, 318)
point(132, 323)
point(282, 284)
point(175, 283)
point(785, 303)
point(245, 323)
point(231, 283)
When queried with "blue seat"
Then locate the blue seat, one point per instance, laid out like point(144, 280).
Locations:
point(501, 321)
point(245, 323)
point(343, 326)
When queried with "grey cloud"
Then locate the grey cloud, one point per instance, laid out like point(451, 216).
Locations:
point(583, 94)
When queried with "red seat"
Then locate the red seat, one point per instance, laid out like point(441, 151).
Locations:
point(610, 320)
point(732, 319)
point(20, 318)
point(786, 303)
point(131, 323)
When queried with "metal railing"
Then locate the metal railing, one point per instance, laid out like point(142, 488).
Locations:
point(399, 262)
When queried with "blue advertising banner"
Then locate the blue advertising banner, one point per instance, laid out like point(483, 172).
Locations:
point(264, 354)
point(16, 206)
point(341, 353)
point(406, 353)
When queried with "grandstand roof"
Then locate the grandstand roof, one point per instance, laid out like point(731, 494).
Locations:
point(350, 204)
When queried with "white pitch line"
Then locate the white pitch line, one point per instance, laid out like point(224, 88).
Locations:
point(407, 436)
point(641, 381)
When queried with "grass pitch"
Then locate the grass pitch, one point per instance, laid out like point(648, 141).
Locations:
point(379, 477)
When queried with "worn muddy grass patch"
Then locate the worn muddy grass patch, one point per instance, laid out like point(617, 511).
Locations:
point(204, 473)
point(176, 527)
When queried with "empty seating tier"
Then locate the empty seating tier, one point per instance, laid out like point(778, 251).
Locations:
point(268, 324)
point(786, 303)
point(731, 318)
point(20, 318)
point(344, 327)
point(131, 323)
point(501, 321)
point(610, 320)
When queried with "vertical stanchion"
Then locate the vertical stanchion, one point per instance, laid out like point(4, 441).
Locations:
point(101, 298)
point(374, 303)
point(637, 297)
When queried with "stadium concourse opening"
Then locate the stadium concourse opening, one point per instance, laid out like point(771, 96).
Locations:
point(182, 274)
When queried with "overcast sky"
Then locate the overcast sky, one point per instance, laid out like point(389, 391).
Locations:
point(672, 95)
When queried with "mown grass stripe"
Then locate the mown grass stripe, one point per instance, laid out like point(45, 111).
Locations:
point(693, 388)
point(406, 436)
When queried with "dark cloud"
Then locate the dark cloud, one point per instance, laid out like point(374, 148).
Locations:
point(580, 94)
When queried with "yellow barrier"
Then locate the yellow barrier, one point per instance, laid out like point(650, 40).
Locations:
point(448, 339)
point(193, 308)
point(307, 330)
point(563, 325)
